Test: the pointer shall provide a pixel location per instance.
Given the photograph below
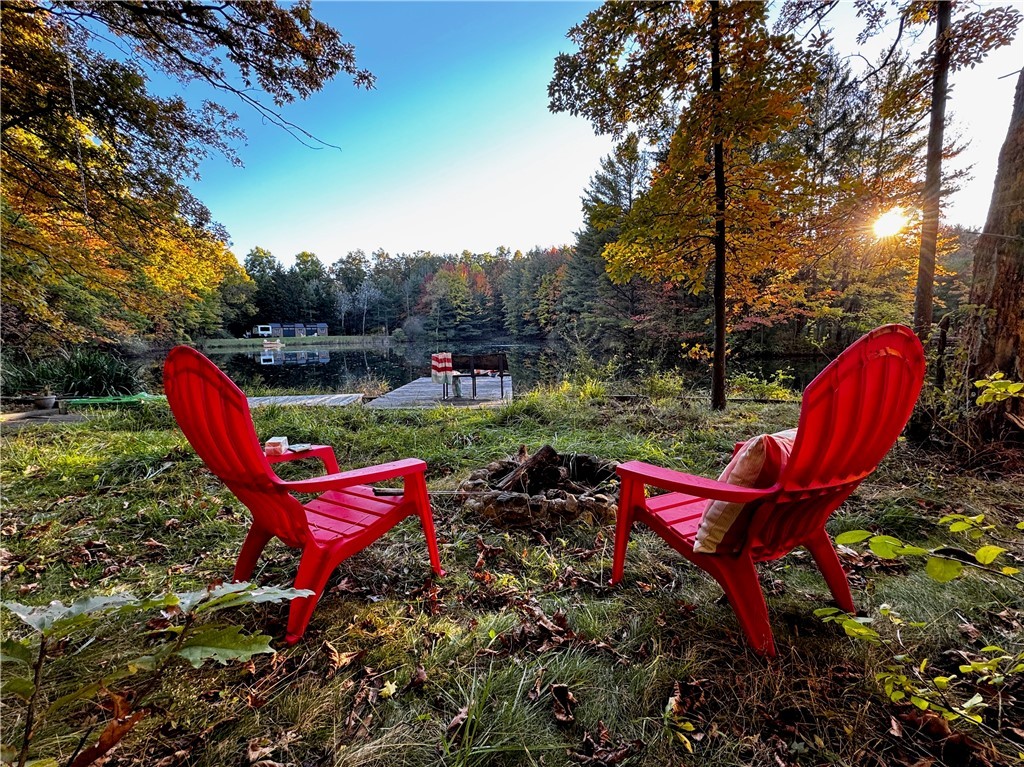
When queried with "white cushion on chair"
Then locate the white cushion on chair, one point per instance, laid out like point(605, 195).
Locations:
point(757, 464)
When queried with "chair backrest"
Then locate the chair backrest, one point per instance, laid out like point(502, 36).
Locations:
point(214, 415)
point(851, 416)
point(470, 362)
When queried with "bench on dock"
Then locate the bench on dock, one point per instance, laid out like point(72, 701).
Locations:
point(472, 366)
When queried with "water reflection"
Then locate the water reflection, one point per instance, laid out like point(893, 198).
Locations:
point(347, 369)
point(278, 357)
point(341, 369)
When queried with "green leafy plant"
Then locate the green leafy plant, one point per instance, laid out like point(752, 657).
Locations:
point(996, 388)
point(185, 633)
point(907, 679)
point(778, 387)
point(943, 563)
point(667, 384)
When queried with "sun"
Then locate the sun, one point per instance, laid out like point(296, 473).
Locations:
point(891, 223)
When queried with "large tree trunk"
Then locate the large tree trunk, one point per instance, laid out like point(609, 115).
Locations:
point(924, 297)
point(995, 335)
point(718, 364)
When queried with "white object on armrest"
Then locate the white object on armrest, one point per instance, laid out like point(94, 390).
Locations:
point(276, 446)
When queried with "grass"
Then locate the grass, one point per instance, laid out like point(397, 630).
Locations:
point(121, 502)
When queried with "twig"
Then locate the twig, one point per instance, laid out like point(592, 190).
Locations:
point(78, 748)
point(30, 714)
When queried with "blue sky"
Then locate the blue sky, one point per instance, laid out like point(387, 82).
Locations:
point(455, 148)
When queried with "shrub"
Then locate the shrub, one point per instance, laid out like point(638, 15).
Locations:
point(83, 372)
point(753, 387)
point(668, 384)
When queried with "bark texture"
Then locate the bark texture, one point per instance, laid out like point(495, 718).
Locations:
point(995, 335)
point(925, 294)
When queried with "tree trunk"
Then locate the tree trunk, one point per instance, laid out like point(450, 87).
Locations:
point(718, 364)
point(994, 336)
point(933, 179)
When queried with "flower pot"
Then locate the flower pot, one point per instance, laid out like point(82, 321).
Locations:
point(45, 401)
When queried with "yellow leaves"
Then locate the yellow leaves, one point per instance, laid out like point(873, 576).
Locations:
point(59, 263)
point(189, 263)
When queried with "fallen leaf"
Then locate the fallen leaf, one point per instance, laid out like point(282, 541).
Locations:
point(347, 586)
point(534, 692)
point(338, 660)
point(124, 720)
point(356, 725)
point(172, 759)
point(970, 631)
point(564, 703)
point(604, 751)
point(457, 725)
point(418, 679)
point(686, 697)
point(157, 624)
point(485, 552)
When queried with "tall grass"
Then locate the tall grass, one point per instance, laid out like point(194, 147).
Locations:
point(80, 371)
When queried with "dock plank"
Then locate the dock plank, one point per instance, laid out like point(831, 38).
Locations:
point(319, 400)
point(425, 393)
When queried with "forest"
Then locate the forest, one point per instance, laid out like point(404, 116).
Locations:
point(806, 269)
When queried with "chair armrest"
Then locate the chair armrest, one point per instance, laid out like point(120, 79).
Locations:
point(366, 475)
point(667, 479)
point(325, 453)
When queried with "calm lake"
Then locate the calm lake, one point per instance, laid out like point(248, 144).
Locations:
point(327, 368)
point(341, 369)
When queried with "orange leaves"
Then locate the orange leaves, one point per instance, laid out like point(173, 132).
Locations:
point(123, 721)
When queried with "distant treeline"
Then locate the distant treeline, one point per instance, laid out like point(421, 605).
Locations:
point(565, 293)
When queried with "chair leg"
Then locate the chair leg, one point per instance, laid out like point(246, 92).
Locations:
point(331, 463)
point(738, 578)
point(314, 570)
point(630, 494)
point(416, 487)
point(255, 541)
point(824, 554)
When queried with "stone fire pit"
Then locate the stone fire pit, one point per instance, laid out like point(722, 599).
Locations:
point(544, 490)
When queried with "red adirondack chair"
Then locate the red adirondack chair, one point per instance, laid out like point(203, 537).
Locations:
point(851, 415)
point(344, 517)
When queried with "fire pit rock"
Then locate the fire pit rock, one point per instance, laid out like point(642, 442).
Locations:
point(544, 490)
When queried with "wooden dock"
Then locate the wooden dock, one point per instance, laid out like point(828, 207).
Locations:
point(319, 400)
point(425, 393)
